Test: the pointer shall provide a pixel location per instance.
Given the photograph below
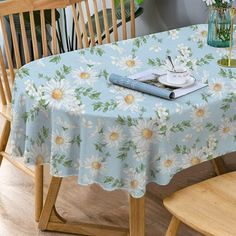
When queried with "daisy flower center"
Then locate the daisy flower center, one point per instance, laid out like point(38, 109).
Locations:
point(200, 112)
point(204, 33)
point(147, 133)
point(84, 75)
point(168, 163)
point(134, 183)
point(96, 165)
point(129, 99)
point(59, 140)
point(130, 63)
point(114, 136)
point(226, 130)
point(57, 94)
point(195, 160)
point(217, 87)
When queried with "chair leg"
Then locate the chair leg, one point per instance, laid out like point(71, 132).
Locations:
point(38, 191)
point(173, 227)
point(4, 137)
point(219, 166)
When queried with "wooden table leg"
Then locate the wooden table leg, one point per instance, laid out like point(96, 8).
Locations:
point(38, 191)
point(137, 216)
point(50, 220)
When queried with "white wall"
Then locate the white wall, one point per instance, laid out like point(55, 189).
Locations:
point(160, 15)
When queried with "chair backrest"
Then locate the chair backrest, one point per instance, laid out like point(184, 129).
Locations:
point(20, 18)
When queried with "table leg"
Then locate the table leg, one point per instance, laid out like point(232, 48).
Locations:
point(38, 191)
point(137, 216)
point(50, 220)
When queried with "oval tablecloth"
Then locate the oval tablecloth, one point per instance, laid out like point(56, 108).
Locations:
point(66, 113)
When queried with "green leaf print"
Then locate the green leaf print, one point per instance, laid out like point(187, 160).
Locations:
point(106, 106)
point(23, 72)
point(55, 59)
point(113, 182)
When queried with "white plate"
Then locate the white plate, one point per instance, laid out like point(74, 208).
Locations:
point(163, 80)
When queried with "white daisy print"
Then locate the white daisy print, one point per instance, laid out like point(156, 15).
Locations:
point(31, 89)
point(38, 154)
point(179, 108)
point(217, 87)
point(87, 61)
point(198, 126)
point(129, 100)
point(113, 136)
point(194, 157)
point(162, 112)
point(210, 2)
point(155, 48)
point(144, 133)
point(84, 76)
point(61, 141)
point(76, 108)
point(200, 112)
point(128, 63)
point(116, 47)
point(40, 63)
point(226, 128)
point(94, 165)
point(87, 123)
point(58, 94)
point(200, 34)
point(135, 181)
point(168, 164)
point(212, 142)
point(174, 34)
point(141, 153)
point(185, 51)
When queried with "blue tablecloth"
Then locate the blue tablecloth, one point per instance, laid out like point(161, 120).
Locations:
point(67, 114)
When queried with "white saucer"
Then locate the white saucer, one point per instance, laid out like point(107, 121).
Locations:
point(163, 80)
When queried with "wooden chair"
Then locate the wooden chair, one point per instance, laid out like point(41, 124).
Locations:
point(87, 35)
point(208, 207)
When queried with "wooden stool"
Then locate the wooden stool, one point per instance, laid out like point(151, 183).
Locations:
point(208, 207)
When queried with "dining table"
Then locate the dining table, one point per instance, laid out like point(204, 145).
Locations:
point(67, 114)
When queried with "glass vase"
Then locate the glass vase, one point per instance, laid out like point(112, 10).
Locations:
point(219, 27)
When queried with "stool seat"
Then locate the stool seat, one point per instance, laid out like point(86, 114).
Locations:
point(208, 207)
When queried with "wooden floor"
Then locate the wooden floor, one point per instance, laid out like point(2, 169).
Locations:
point(89, 204)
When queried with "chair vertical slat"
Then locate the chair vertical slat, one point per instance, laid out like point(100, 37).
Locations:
point(105, 19)
point(5, 78)
point(7, 49)
point(24, 38)
point(97, 22)
point(90, 25)
point(114, 21)
point(77, 28)
point(15, 42)
point(81, 16)
point(132, 18)
point(54, 32)
point(123, 17)
point(43, 33)
point(34, 36)
point(2, 94)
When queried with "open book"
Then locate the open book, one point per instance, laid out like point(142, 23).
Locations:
point(147, 82)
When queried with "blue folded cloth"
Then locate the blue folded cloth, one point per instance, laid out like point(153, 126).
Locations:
point(141, 87)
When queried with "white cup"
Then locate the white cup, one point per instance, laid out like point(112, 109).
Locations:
point(178, 76)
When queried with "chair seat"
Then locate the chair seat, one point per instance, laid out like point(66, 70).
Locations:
point(208, 207)
point(5, 111)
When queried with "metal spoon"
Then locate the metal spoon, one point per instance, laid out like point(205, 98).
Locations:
point(170, 59)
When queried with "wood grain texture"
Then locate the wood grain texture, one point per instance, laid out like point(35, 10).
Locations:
point(208, 207)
